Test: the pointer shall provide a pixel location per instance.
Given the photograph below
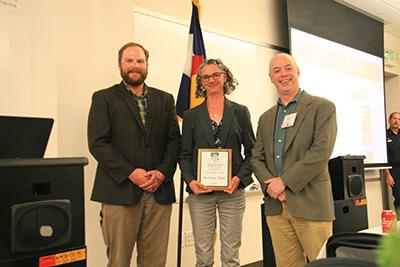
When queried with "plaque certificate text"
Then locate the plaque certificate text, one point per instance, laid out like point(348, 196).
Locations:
point(214, 168)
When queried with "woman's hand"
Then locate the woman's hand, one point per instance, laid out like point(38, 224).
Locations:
point(198, 188)
point(233, 186)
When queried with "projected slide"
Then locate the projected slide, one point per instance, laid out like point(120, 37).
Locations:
point(353, 80)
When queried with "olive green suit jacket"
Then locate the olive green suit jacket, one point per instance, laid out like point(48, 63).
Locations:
point(309, 144)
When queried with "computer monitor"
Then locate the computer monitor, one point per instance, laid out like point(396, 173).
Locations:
point(24, 137)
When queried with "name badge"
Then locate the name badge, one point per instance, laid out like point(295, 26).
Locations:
point(288, 120)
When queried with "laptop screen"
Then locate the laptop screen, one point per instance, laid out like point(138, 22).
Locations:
point(24, 137)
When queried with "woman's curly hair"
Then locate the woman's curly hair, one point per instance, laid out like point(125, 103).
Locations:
point(229, 85)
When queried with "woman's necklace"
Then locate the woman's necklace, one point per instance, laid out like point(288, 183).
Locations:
point(215, 110)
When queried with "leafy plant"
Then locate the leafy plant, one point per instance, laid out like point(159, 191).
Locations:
point(389, 250)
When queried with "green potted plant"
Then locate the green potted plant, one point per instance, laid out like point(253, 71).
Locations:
point(389, 250)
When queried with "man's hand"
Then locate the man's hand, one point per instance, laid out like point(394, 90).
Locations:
point(148, 181)
point(233, 186)
point(148, 185)
point(282, 197)
point(198, 188)
point(275, 186)
point(138, 176)
point(157, 177)
point(390, 180)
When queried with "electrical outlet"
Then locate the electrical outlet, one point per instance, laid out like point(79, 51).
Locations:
point(189, 240)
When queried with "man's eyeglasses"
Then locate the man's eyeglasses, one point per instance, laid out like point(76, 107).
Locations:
point(214, 76)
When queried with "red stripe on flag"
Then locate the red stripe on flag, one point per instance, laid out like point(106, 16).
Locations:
point(196, 62)
point(196, 54)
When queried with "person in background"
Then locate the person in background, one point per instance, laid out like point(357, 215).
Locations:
point(133, 133)
point(295, 139)
point(217, 123)
point(393, 152)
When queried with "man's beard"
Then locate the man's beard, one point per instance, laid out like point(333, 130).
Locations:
point(133, 82)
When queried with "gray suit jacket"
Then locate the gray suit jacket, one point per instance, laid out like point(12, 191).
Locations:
point(236, 132)
point(309, 144)
point(121, 143)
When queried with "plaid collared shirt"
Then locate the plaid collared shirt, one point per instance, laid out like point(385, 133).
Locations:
point(141, 101)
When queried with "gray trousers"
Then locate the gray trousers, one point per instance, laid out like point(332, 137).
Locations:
point(146, 223)
point(230, 214)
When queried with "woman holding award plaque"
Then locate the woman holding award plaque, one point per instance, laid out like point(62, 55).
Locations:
point(212, 165)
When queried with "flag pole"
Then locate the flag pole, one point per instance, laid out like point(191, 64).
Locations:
point(180, 222)
point(186, 95)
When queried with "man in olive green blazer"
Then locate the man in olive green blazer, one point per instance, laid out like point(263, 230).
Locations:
point(295, 139)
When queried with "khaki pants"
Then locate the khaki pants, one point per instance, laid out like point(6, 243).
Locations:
point(146, 223)
point(295, 239)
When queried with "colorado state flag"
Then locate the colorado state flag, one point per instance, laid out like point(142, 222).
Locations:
point(196, 54)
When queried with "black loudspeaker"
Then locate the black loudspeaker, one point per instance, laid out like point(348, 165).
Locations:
point(42, 212)
point(40, 225)
point(347, 177)
point(351, 215)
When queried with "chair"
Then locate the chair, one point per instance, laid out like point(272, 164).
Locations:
point(353, 245)
point(341, 262)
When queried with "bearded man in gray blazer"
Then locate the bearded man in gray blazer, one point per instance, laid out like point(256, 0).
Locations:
point(133, 134)
point(295, 139)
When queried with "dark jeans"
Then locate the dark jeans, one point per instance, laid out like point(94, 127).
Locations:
point(395, 172)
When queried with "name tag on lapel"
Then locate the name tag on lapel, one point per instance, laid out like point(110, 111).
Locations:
point(288, 120)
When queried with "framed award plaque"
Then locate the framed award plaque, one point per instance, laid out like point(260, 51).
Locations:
point(214, 167)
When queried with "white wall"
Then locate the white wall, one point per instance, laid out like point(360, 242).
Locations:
point(392, 43)
point(55, 54)
point(15, 43)
point(392, 72)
